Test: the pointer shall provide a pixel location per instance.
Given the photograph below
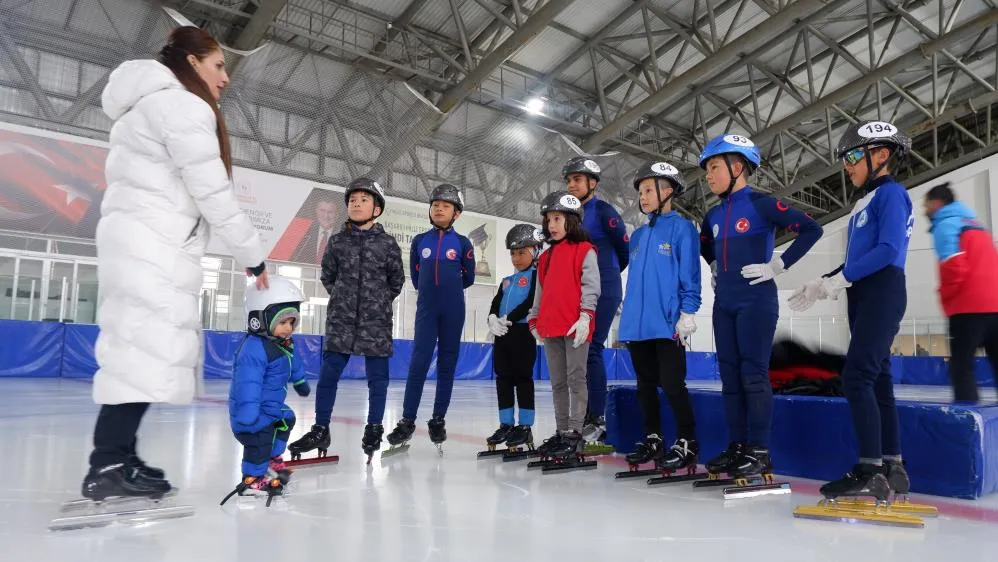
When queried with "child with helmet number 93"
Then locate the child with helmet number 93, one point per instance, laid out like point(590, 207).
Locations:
point(265, 363)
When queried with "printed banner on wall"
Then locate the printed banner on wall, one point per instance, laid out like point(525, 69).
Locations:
point(53, 184)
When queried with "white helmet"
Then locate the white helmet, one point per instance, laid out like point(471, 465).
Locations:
point(265, 308)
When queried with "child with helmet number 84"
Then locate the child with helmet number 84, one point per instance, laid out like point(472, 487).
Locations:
point(515, 349)
point(265, 362)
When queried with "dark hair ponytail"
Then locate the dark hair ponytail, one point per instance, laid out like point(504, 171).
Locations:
point(190, 40)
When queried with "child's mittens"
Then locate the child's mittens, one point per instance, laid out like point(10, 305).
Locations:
point(302, 388)
point(498, 326)
point(685, 328)
point(580, 329)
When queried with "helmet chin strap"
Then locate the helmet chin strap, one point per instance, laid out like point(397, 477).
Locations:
point(731, 174)
point(661, 202)
point(449, 224)
point(363, 222)
point(869, 166)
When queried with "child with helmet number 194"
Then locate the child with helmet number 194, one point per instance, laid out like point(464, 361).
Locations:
point(563, 315)
point(736, 239)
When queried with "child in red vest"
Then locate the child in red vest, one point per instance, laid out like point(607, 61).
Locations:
point(563, 315)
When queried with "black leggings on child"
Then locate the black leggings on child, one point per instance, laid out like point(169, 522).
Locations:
point(115, 433)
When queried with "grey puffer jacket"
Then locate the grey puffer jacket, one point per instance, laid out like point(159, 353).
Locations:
point(362, 272)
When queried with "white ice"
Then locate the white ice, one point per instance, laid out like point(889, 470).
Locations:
point(417, 506)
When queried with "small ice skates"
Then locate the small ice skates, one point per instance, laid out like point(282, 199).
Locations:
point(594, 436)
point(898, 501)
point(682, 456)
point(316, 438)
point(398, 439)
point(438, 433)
point(647, 450)
point(257, 486)
point(749, 470)
point(371, 441)
point(119, 492)
point(494, 440)
point(841, 501)
point(519, 437)
point(562, 453)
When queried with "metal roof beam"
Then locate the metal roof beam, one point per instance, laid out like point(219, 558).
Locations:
point(265, 14)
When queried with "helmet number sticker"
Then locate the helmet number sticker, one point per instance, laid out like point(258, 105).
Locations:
point(570, 201)
point(591, 166)
point(538, 235)
point(738, 140)
point(664, 169)
point(877, 129)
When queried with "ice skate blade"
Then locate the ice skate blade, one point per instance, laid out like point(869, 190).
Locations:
point(519, 455)
point(674, 478)
point(120, 515)
point(312, 461)
point(867, 505)
point(714, 482)
point(874, 517)
point(774, 489)
point(637, 473)
point(566, 466)
point(84, 503)
point(394, 450)
point(492, 453)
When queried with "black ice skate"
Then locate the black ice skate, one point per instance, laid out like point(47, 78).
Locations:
point(438, 433)
point(257, 486)
point(316, 438)
point(722, 462)
point(567, 454)
point(518, 437)
point(150, 472)
point(897, 501)
point(681, 456)
point(752, 473)
point(398, 439)
point(544, 451)
point(118, 492)
point(497, 438)
point(647, 450)
point(371, 441)
point(842, 500)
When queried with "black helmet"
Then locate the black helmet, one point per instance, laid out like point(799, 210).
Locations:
point(523, 236)
point(370, 186)
point(581, 165)
point(661, 170)
point(449, 193)
point(874, 133)
point(561, 201)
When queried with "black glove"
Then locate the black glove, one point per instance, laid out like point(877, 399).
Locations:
point(302, 388)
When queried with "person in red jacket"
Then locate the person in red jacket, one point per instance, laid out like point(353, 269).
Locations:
point(563, 315)
point(968, 274)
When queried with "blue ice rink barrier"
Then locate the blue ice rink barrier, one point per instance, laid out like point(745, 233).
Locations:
point(51, 349)
point(945, 447)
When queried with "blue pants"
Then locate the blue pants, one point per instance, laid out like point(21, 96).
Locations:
point(606, 309)
point(260, 447)
point(333, 364)
point(744, 326)
point(437, 326)
point(876, 306)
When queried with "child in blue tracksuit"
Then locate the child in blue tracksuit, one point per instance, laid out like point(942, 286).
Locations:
point(264, 364)
point(880, 228)
point(608, 234)
point(663, 294)
point(442, 265)
point(515, 349)
point(736, 240)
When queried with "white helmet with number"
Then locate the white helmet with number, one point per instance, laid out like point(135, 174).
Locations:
point(265, 308)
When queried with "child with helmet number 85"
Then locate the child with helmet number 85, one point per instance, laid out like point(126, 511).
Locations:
point(515, 349)
point(264, 365)
point(563, 315)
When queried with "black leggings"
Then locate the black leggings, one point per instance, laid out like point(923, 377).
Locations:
point(114, 433)
point(513, 358)
point(968, 332)
point(662, 362)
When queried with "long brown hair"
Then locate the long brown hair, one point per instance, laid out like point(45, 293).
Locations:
point(190, 40)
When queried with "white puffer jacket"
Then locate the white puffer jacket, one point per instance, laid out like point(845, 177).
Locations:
point(166, 186)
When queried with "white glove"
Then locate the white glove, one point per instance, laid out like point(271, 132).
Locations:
point(498, 326)
point(533, 332)
point(685, 328)
point(817, 289)
point(580, 329)
point(713, 275)
point(763, 272)
point(833, 285)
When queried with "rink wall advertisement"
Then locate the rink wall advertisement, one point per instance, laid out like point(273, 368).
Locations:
point(53, 184)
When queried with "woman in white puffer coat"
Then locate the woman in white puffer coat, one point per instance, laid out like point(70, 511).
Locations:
point(168, 183)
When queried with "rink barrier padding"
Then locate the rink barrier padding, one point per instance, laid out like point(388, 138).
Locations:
point(52, 349)
point(945, 447)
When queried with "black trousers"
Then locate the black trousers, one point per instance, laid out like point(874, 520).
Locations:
point(115, 433)
point(662, 362)
point(513, 359)
point(968, 332)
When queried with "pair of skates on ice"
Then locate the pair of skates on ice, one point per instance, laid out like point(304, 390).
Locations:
point(122, 492)
point(398, 439)
point(562, 452)
point(515, 438)
point(272, 484)
point(888, 487)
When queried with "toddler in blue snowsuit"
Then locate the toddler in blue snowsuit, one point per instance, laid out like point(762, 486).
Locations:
point(736, 240)
point(442, 266)
point(265, 363)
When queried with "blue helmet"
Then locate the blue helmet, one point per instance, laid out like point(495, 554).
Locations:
point(731, 144)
